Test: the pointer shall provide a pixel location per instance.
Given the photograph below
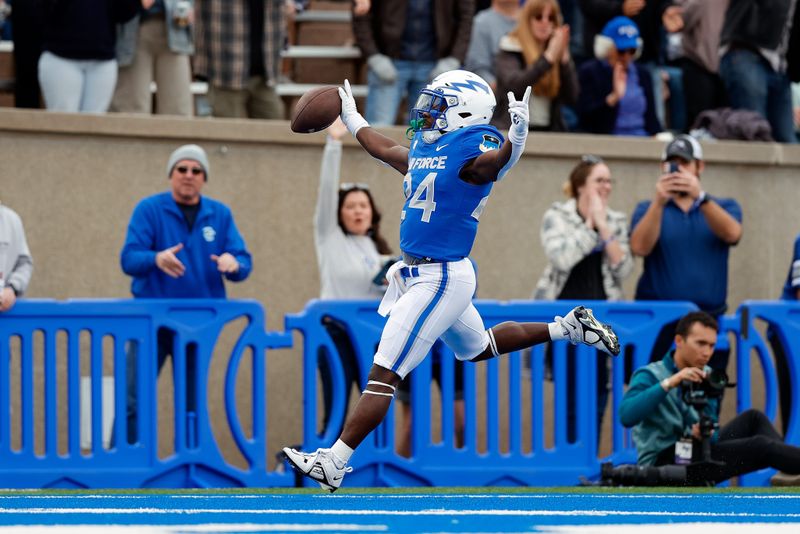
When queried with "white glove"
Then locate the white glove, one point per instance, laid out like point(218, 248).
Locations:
point(518, 110)
point(444, 65)
point(383, 68)
point(350, 115)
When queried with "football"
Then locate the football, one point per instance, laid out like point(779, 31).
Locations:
point(316, 109)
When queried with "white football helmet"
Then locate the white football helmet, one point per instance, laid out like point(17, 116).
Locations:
point(453, 100)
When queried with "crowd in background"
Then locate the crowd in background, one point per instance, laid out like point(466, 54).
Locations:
point(632, 67)
point(624, 67)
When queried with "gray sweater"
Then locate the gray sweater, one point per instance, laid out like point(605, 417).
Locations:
point(16, 264)
point(347, 263)
point(488, 28)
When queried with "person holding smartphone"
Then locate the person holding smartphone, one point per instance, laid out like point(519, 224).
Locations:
point(684, 235)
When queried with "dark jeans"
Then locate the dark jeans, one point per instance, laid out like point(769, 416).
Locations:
point(165, 342)
point(752, 84)
point(347, 354)
point(703, 90)
point(746, 444)
point(28, 21)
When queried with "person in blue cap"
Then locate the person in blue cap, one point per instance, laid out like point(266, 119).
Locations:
point(616, 93)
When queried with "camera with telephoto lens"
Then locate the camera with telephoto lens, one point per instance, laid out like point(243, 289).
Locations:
point(642, 475)
point(696, 395)
point(712, 386)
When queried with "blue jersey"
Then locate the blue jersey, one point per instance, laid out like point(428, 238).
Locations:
point(441, 212)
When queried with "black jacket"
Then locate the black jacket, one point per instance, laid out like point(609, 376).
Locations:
point(595, 81)
point(757, 24)
point(85, 29)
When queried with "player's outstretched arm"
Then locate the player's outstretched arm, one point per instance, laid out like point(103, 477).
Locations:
point(493, 165)
point(378, 145)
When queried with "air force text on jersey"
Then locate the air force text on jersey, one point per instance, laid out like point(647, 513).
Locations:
point(435, 162)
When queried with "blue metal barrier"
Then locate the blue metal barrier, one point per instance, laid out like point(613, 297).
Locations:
point(197, 460)
point(514, 434)
point(501, 457)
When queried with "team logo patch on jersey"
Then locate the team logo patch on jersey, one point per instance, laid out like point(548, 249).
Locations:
point(489, 142)
point(209, 233)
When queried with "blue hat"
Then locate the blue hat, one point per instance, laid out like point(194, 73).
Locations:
point(624, 32)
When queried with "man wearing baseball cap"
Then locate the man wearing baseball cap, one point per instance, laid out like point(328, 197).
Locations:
point(180, 244)
point(684, 235)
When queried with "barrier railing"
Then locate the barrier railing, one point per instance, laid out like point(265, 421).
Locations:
point(502, 447)
point(74, 338)
point(515, 424)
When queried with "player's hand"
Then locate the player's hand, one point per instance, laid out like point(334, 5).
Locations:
point(7, 298)
point(226, 263)
point(350, 115)
point(167, 261)
point(518, 109)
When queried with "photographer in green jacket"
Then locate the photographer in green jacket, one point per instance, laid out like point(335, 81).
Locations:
point(667, 428)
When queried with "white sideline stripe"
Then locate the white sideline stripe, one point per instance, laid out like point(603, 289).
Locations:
point(361, 497)
point(433, 512)
point(281, 527)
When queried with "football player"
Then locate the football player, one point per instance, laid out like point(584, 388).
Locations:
point(454, 159)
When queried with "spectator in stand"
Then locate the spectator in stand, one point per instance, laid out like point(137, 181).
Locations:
point(616, 95)
point(702, 86)
point(16, 263)
point(28, 20)
point(488, 27)
point(180, 245)
point(760, 60)
point(536, 53)
point(351, 253)
point(238, 45)
point(588, 257)
point(155, 46)
point(77, 68)
point(652, 17)
point(666, 427)
point(684, 236)
point(407, 44)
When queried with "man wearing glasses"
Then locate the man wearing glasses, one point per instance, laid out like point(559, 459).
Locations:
point(180, 244)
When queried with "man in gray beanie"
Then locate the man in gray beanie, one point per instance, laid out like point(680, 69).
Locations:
point(180, 244)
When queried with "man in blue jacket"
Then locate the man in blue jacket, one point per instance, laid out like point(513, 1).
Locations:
point(666, 428)
point(180, 245)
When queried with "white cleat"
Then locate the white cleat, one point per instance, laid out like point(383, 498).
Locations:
point(581, 327)
point(319, 466)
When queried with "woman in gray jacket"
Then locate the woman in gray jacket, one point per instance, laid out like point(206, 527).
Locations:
point(588, 257)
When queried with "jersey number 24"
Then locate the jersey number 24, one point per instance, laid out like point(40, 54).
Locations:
point(423, 198)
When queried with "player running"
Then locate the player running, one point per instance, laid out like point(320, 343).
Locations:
point(454, 160)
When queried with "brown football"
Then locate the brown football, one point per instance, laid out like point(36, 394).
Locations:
point(316, 109)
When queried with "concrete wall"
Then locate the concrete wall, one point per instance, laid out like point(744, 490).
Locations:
point(75, 180)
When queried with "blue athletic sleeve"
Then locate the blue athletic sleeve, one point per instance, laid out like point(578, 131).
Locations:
point(137, 257)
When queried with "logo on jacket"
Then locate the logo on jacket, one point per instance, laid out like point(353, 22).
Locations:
point(209, 234)
point(488, 143)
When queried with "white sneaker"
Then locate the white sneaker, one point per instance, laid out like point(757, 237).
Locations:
point(581, 327)
point(319, 465)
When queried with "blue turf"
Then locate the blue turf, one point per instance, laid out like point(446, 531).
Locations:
point(399, 513)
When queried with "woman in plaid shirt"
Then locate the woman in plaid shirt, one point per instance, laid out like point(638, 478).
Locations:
point(588, 257)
